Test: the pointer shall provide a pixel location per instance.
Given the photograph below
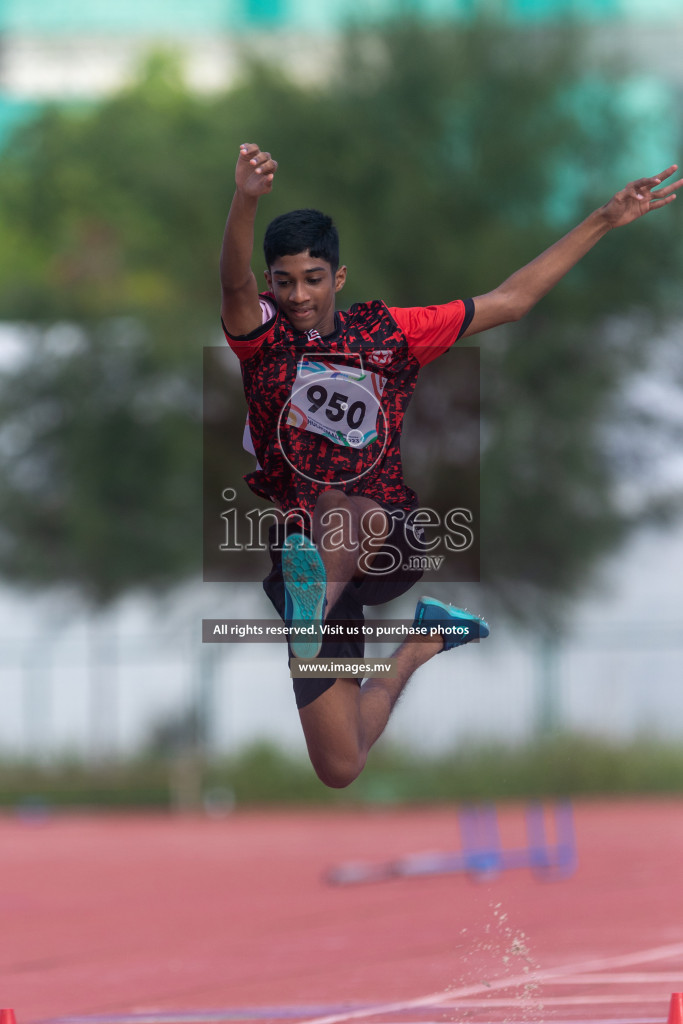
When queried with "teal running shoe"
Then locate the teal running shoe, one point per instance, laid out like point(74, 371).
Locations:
point(305, 587)
point(456, 626)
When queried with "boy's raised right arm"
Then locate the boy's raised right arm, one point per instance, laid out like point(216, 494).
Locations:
point(240, 306)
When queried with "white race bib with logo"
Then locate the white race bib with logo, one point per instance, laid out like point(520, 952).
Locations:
point(343, 403)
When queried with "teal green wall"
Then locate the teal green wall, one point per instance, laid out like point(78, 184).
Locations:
point(179, 16)
point(129, 16)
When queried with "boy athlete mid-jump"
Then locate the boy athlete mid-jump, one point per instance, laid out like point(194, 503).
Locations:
point(326, 392)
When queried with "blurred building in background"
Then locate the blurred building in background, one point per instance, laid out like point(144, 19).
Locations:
point(75, 50)
point(101, 685)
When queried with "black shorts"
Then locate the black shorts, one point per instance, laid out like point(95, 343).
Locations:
point(400, 543)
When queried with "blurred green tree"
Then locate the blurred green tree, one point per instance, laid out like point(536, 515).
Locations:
point(448, 156)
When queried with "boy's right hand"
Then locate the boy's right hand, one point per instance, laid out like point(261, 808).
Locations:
point(255, 171)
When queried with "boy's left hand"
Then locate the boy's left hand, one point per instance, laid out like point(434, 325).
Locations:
point(639, 197)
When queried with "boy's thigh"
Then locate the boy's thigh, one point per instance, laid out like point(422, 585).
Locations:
point(343, 640)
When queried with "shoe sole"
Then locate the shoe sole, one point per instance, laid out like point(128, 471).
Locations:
point(446, 616)
point(305, 586)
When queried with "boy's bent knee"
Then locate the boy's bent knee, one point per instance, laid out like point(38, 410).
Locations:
point(338, 772)
point(332, 728)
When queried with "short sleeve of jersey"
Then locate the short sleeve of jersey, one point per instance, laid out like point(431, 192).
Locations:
point(248, 345)
point(431, 330)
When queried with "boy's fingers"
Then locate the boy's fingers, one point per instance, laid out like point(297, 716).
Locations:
point(656, 203)
point(267, 166)
point(668, 172)
point(669, 188)
point(261, 161)
point(657, 194)
point(645, 185)
point(651, 183)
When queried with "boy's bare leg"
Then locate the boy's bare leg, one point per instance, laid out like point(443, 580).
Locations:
point(342, 724)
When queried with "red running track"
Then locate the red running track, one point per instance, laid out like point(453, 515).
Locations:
point(148, 920)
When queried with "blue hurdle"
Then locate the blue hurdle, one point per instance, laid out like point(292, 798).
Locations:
point(550, 850)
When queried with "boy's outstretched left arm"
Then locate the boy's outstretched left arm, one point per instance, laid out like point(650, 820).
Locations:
point(523, 289)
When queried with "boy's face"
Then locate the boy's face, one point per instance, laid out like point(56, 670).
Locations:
point(305, 290)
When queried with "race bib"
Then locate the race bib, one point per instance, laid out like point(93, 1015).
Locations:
point(343, 403)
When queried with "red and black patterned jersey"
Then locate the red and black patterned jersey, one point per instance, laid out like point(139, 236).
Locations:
point(328, 411)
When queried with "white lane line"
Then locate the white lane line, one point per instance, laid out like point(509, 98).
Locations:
point(593, 1020)
point(527, 978)
point(624, 978)
point(645, 956)
point(540, 1001)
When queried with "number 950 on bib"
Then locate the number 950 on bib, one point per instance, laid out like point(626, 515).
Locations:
point(340, 402)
